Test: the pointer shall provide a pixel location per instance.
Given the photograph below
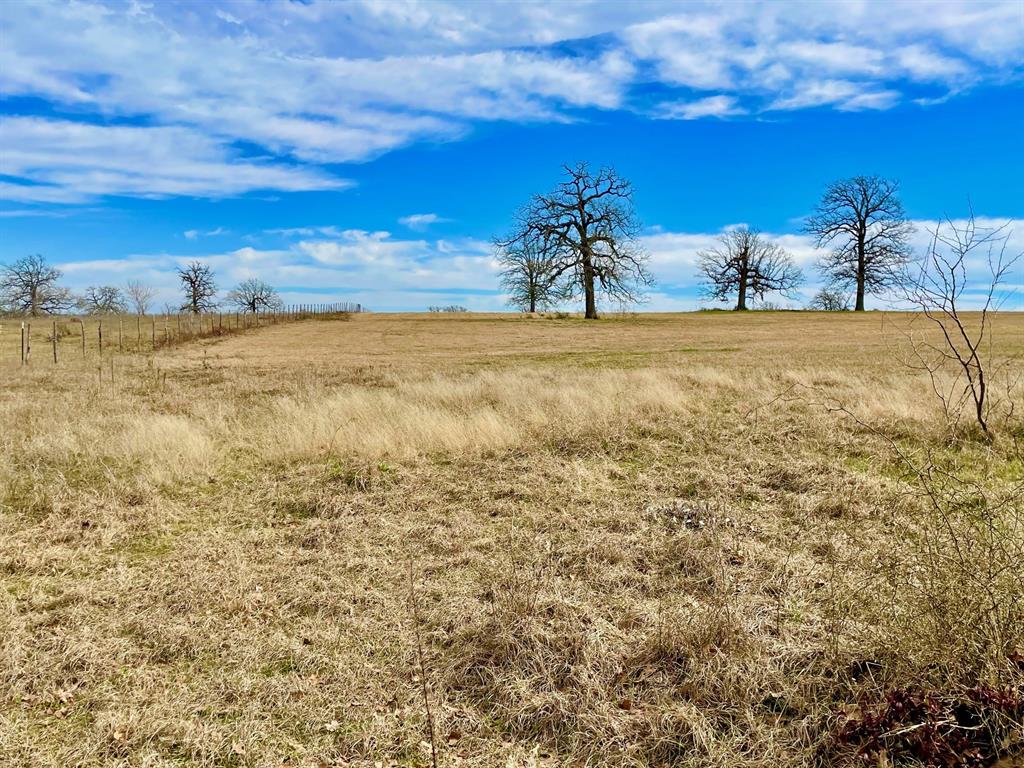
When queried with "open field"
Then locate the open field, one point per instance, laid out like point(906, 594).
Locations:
point(652, 540)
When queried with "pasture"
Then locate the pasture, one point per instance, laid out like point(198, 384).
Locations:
point(711, 539)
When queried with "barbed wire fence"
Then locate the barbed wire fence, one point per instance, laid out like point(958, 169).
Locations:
point(54, 339)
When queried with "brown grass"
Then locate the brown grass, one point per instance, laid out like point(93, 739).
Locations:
point(642, 541)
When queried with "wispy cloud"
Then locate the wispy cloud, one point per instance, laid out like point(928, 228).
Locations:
point(712, 106)
point(420, 221)
point(69, 161)
point(844, 94)
point(325, 231)
point(194, 234)
point(167, 94)
point(42, 213)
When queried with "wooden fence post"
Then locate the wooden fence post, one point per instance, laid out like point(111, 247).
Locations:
point(54, 338)
point(154, 333)
point(22, 342)
point(100, 334)
point(82, 322)
point(120, 329)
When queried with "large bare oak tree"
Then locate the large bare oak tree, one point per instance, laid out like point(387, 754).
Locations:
point(588, 229)
point(862, 220)
point(746, 265)
point(254, 295)
point(102, 300)
point(199, 288)
point(29, 286)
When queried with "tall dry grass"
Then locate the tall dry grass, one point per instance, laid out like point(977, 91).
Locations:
point(625, 552)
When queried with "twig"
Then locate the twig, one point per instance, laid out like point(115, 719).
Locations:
point(414, 604)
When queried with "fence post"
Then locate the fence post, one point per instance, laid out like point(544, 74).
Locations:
point(28, 344)
point(101, 337)
point(138, 332)
point(82, 323)
point(22, 342)
point(120, 329)
point(154, 333)
point(54, 337)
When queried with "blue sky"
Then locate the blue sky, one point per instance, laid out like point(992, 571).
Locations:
point(367, 151)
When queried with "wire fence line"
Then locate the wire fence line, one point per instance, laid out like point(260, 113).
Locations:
point(53, 339)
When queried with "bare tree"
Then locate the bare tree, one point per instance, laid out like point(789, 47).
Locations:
point(528, 275)
point(141, 296)
point(29, 286)
point(935, 287)
point(830, 300)
point(588, 229)
point(746, 265)
point(199, 288)
point(254, 295)
point(864, 223)
point(102, 300)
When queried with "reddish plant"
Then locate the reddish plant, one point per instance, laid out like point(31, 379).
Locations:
point(933, 729)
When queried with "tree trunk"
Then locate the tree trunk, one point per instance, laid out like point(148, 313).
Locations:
point(533, 303)
point(588, 288)
point(741, 300)
point(861, 268)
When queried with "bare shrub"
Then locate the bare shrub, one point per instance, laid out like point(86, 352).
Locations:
point(830, 300)
point(964, 367)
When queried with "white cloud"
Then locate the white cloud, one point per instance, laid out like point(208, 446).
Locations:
point(712, 106)
point(313, 83)
point(374, 268)
point(327, 231)
point(192, 234)
point(42, 213)
point(847, 95)
point(853, 55)
point(921, 63)
point(420, 221)
point(70, 161)
point(834, 57)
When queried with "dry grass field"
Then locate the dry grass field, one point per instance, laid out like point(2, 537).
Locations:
point(687, 540)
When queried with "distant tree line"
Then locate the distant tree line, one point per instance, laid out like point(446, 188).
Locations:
point(581, 240)
point(31, 286)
